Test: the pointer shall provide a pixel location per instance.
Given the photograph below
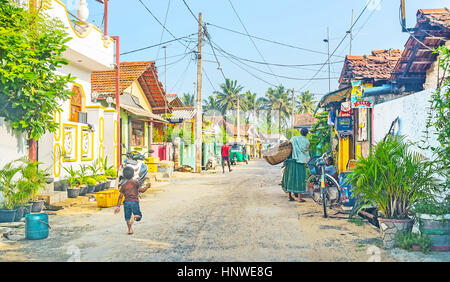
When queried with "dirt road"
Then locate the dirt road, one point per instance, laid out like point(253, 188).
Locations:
point(239, 216)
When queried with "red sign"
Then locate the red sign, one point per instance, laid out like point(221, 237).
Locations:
point(359, 103)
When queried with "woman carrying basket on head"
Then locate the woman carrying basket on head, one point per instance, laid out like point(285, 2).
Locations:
point(294, 175)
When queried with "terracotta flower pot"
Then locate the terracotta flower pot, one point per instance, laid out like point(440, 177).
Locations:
point(390, 227)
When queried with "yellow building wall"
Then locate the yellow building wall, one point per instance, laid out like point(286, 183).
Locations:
point(135, 89)
point(343, 156)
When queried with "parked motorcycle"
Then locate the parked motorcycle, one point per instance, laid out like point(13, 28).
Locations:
point(135, 160)
point(212, 163)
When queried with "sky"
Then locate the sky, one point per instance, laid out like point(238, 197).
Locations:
point(301, 24)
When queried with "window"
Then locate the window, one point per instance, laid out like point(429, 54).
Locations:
point(76, 103)
point(137, 133)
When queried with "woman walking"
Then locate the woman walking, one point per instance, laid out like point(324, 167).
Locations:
point(294, 175)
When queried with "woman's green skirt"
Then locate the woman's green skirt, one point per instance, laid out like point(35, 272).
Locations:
point(294, 177)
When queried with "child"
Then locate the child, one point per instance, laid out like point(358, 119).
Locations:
point(130, 190)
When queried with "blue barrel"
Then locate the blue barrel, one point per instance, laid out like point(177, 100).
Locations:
point(36, 226)
point(346, 190)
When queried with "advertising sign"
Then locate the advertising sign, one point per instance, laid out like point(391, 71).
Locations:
point(357, 99)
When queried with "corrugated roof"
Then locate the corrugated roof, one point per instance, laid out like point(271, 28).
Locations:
point(183, 113)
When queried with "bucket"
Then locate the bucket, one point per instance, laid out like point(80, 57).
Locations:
point(346, 190)
point(7, 215)
point(19, 213)
point(36, 226)
point(438, 229)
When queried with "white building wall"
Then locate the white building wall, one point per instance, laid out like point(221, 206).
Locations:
point(412, 111)
point(12, 144)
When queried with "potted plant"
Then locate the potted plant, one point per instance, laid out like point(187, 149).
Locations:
point(82, 180)
point(101, 179)
point(90, 182)
point(111, 174)
point(434, 220)
point(35, 179)
point(73, 190)
point(393, 179)
point(7, 189)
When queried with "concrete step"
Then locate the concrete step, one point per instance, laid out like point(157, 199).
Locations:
point(53, 197)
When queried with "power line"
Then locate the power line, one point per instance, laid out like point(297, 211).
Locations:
point(207, 37)
point(251, 39)
point(161, 23)
point(242, 59)
point(281, 76)
point(155, 45)
point(345, 36)
point(272, 41)
point(162, 32)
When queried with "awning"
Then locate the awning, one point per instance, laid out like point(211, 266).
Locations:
point(142, 113)
point(334, 97)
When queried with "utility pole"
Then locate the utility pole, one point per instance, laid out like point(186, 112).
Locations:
point(238, 121)
point(329, 77)
point(293, 112)
point(199, 121)
point(165, 68)
point(351, 35)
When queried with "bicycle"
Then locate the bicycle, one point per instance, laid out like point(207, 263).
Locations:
point(324, 188)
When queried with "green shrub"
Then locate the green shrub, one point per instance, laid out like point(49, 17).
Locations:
point(91, 181)
point(100, 178)
point(406, 241)
point(111, 173)
point(432, 207)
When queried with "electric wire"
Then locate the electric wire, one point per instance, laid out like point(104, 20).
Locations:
point(271, 41)
point(251, 39)
point(156, 45)
point(337, 47)
point(162, 31)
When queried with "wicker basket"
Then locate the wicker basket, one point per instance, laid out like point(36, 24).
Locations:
point(278, 154)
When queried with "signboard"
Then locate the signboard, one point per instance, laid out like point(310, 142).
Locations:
point(344, 125)
point(357, 99)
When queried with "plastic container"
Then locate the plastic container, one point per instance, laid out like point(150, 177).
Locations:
point(152, 167)
point(152, 160)
point(36, 226)
point(346, 190)
point(7, 215)
point(108, 198)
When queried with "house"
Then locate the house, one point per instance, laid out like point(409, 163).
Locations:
point(142, 98)
point(304, 120)
point(86, 128)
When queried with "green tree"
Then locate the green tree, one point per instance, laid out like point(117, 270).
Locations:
point(31, 50)
point(278, 100)
point(210, 104)
point(188, 99)
point(229, 95)
point(306, 103)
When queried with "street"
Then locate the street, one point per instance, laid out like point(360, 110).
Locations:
point(239, 216)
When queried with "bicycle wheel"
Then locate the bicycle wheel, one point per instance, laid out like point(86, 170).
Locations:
point(313, 186)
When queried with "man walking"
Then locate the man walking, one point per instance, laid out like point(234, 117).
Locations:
point(225, 156)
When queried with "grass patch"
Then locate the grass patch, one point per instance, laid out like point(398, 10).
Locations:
point(357, 221)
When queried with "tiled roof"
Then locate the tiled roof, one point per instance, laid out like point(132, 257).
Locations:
point(304, 119)
point(432, 30)
point(379, 65)
point(174, 101)
point(434, 17)
point(144, 72)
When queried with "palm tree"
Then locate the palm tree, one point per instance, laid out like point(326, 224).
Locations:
point(229, 98)
point(188, 99)
point(306, 103)
point(278, 99)
point(210, 104)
